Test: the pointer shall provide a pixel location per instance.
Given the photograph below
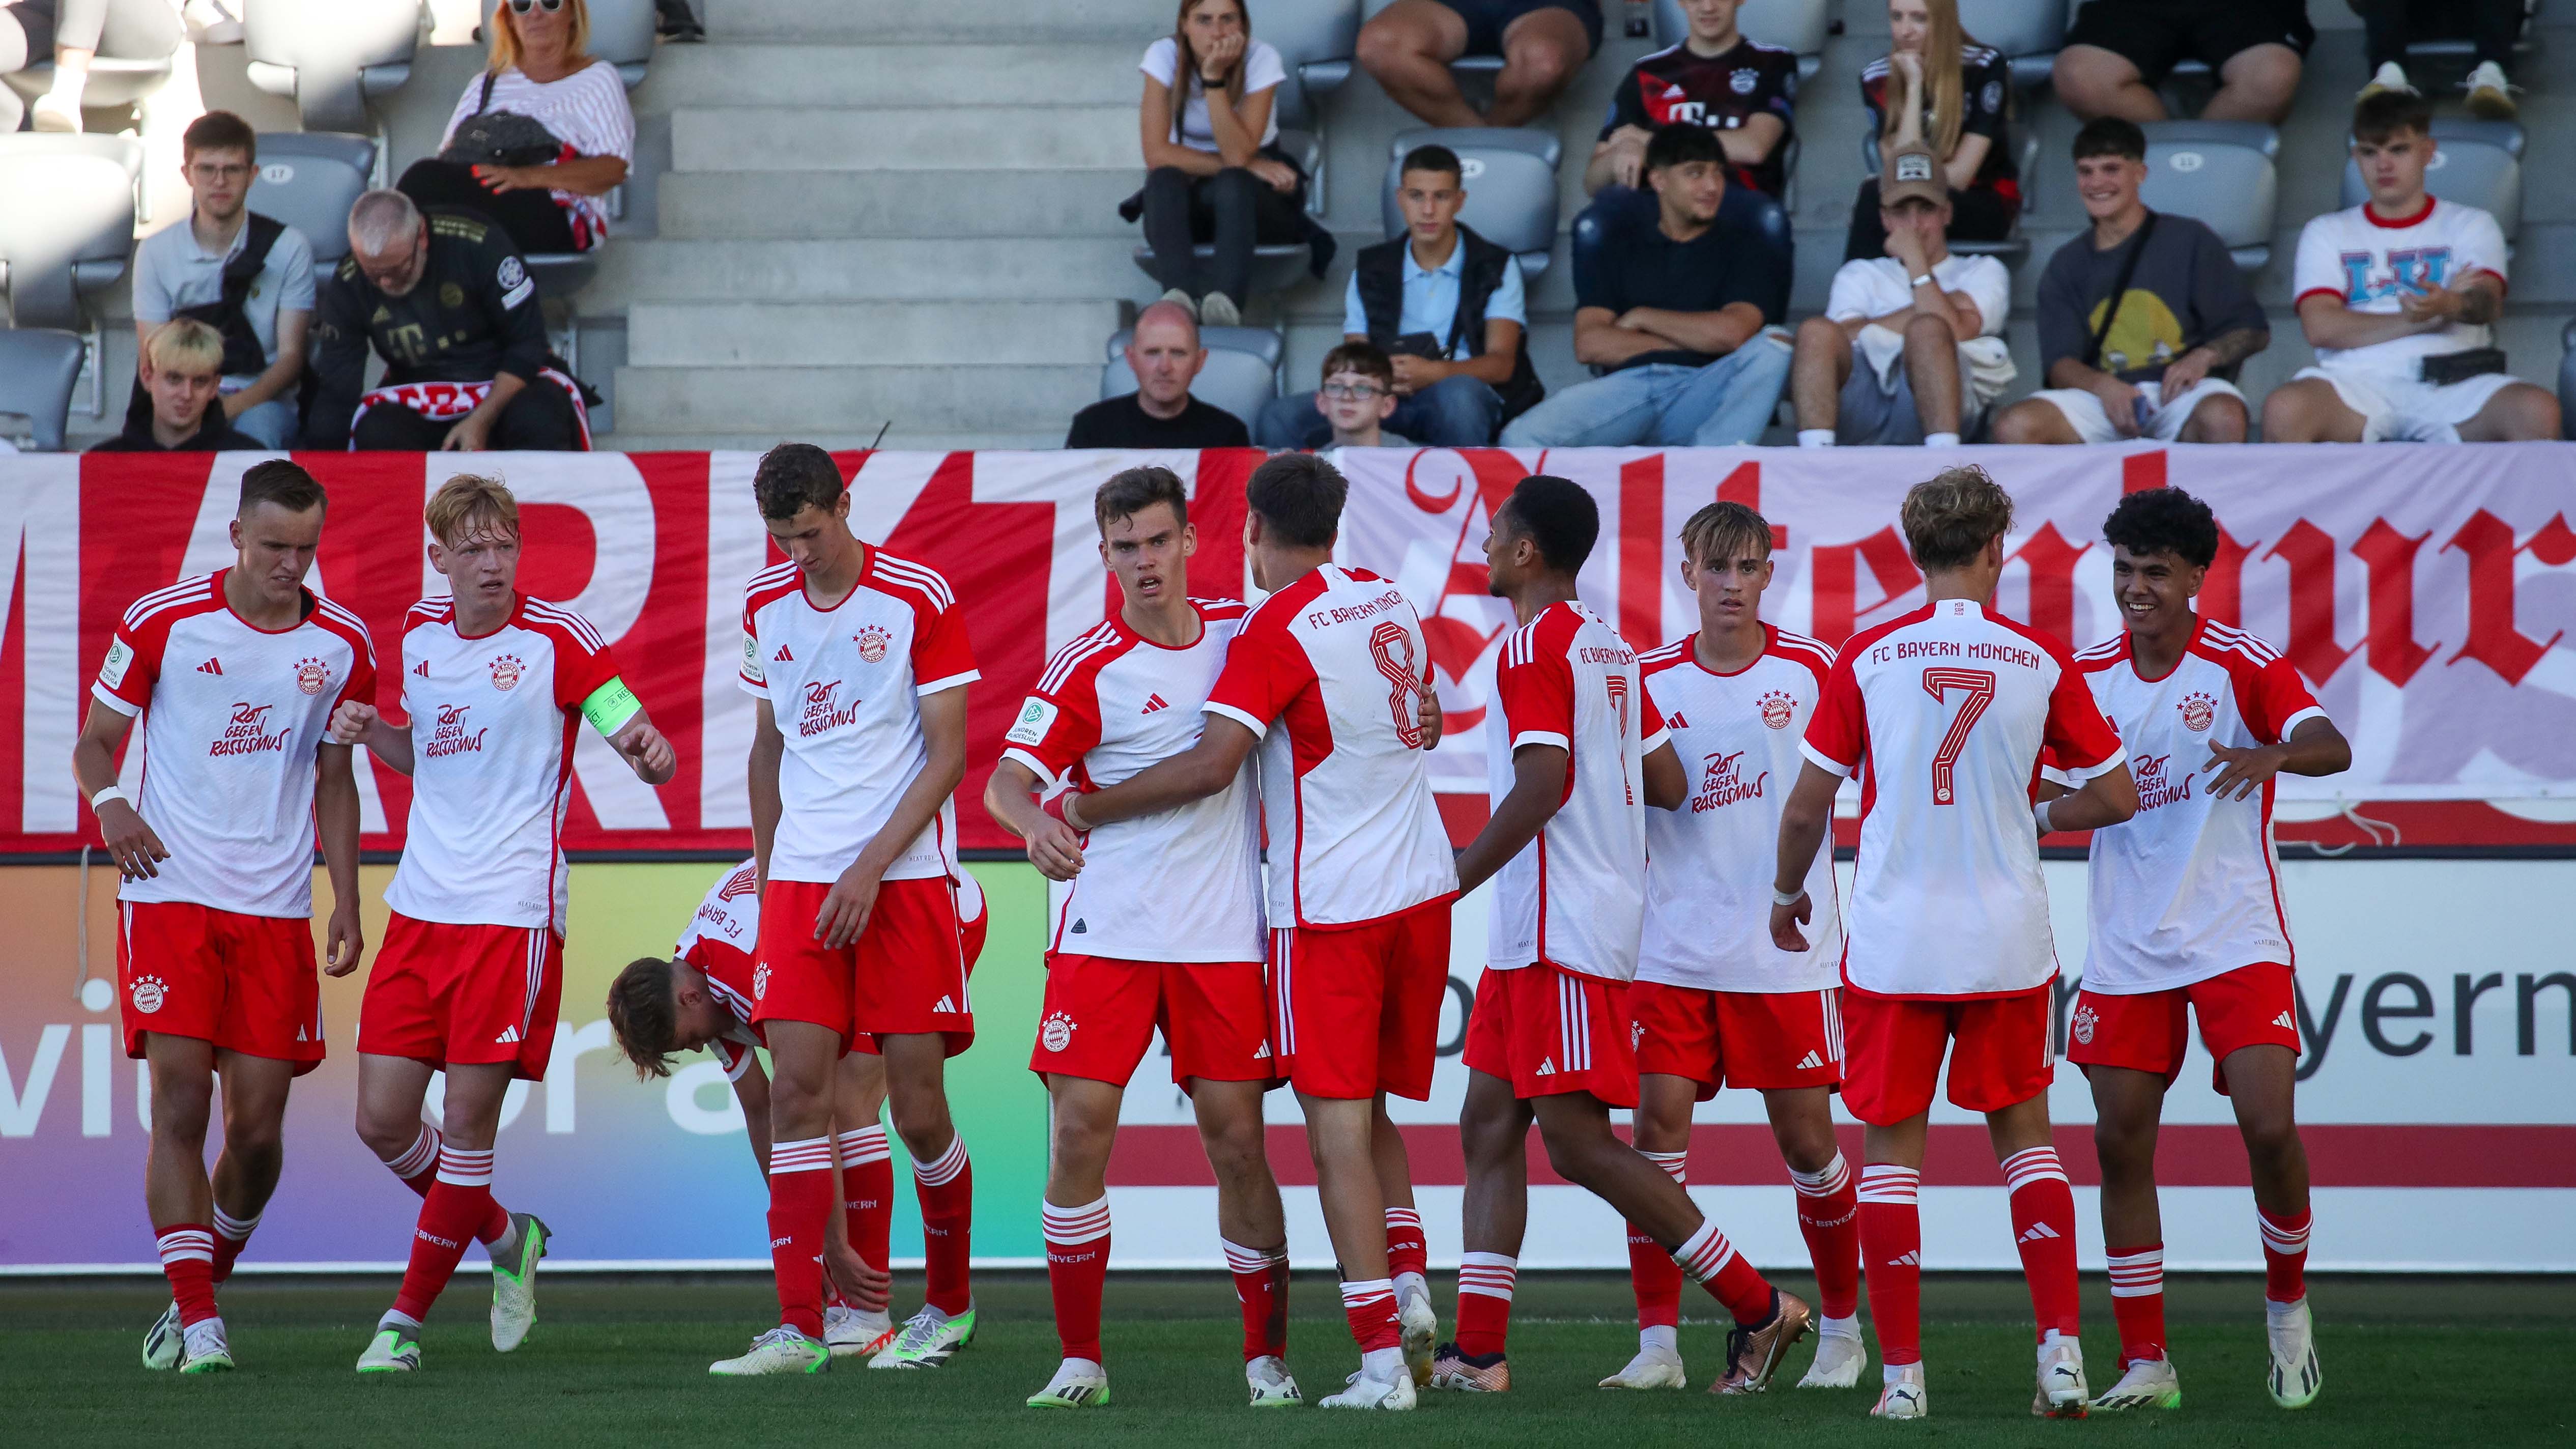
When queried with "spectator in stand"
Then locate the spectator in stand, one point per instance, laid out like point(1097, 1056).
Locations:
point(2399, 296)
point(2142, 322)
point(541, 94)
point(183, 364)
point(1165, 354)
point(2389, 26)
point(1358, 397)
point(1745, 91)
point(1911, 344)
point(2118, 51)
point(1410, 44)
point(73, 33)
point(1676, 317)
point(676, 24)
point(1447, 306)
point(1213, 168)
point(446, 301)
point(1938, 87)
point(248, 276)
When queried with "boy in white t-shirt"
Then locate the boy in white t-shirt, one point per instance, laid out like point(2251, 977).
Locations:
point(1911, 344)
point(2398, 295)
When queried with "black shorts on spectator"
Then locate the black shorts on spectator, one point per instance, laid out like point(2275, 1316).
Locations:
point(2119, 51)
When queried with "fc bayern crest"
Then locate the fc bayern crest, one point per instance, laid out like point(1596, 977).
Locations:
point(1743, 82)
point(760, 981)
point(2198, 712)
point(506, 671)
point(311, 676)
point(2080, 1026)
point(1777, 706)
point(1056, 1033)
point(148, 994)
point(872, 643)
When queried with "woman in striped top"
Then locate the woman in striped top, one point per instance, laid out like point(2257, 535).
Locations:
point(540, 69)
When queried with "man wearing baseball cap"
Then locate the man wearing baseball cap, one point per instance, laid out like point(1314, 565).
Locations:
point(1911, 344)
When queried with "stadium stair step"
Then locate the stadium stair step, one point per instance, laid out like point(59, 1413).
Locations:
point(1050, 205)
point(892, 268)
point(947, 76)
point(859, 334)
point(775, 138)
point(893, 21)
point(959, 399)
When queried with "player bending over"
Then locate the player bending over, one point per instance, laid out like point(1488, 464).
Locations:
point(1329, 677)
point(859, 663)
point(1576, 751)
point(1947, 944)
point(2187, 921)
point(1161, 926)
point(472, 967)
point(1715, 1002)
point(234, 674)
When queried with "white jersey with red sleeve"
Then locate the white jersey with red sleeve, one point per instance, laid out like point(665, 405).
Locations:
point(232, 716)
point(2187, 888)
point(492, 730)
point(1950, 707)
point(845, 685)
point(1574, 897)
point(1709, 863)
point(1180, 885)
point(2371, 265)
point(1325, 672)
point(719, 941)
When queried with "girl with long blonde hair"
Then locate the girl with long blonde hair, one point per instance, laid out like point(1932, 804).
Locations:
point(1938, 87)
point(1214, 171)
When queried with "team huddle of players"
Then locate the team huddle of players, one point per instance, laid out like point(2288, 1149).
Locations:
point(1641, 802)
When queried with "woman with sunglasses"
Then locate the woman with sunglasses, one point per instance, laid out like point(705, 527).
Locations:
point(539, 69)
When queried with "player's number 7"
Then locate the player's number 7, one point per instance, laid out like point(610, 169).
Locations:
point(1978, 688)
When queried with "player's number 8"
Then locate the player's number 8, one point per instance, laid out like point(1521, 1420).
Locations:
point(1978, 685)
point(1392, 648)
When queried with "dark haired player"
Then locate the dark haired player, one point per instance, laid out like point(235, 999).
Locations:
point(2187, 921)
point(859, 661)
point(1576, 752)
point(234, 675)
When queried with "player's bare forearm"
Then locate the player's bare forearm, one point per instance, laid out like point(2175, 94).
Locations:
point(646, 750)
point(94, 752)
point(1804, 820)
point(2106, 799)
point(2316, 747)
point(335, 818)
point(1667, 783)
point(768, 746)
point(1538, 791)
point(1010, 797)
point(943, 737)
point(1194, 774)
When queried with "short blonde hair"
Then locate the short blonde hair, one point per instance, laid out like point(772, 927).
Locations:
point(1722, 532)
point(1950, 519)
point(470, 504)
point(187, 344)
point(505, 36)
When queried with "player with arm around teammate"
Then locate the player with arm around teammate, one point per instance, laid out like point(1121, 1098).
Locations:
point(1715, 1002)
point(2187, 919)
point(233, 675)
point(471, 972)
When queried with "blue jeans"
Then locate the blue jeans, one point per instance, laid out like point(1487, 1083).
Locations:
point(1455, 412)
point(1727, 403)
point(272, 422)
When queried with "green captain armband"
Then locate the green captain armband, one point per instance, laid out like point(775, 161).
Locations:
point(610, 706)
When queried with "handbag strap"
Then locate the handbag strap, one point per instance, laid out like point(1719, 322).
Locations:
point(2119, 290)
point(485, 104)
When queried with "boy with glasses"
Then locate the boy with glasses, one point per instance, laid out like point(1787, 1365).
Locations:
point(1358, 397)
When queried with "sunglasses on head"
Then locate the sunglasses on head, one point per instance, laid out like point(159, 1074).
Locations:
point(522, 7)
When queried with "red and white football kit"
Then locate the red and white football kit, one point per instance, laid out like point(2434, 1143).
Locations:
point(719, 941)
point(1163, 925)
point(1947, 933)
point(1552, 1007)
point(471, 971)
point(1326, 674)
point(845, 685)
point(2186, 899)
point(1715, 1001)
point(219, 944)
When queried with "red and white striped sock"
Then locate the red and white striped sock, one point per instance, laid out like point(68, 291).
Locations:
point(1406, 1250)
point(867, 1192)
point(1829, 1219)
point(417, 1166)
point(800, 1210)
point(946, 1188)
point(1712, 1262)
point(459, 1198)
point(188, 1261)
point(1261, 1286)
point(1652, 1273)
point(2138, 1301)
point(1370, 1305)
point(1891, 1247)
point(1485, 1301)
point(2285, 1254)
point(2043, 1219)
point(1077, 1247)
point(231, 1233)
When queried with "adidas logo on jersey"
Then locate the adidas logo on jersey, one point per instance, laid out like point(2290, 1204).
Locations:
point(946, 1007)
point(2284, 1022)
point(1809, 1062)
point(1079, 928)
point(2038, 1232)
point(421, 669)
point(1155, 703)
point(509, 1036)
point(782, 656)
point(1677, 723)
point(1906, 1260)
point(211, 666)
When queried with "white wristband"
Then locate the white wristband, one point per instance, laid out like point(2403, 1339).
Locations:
point(103, 796)
point(2039, 812)
point(1922, 281)
point(1787, 898)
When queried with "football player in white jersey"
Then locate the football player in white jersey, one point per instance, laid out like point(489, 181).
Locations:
point(234, 675)
point(1946, 946)
point(1160, 925)
point(471, 973)
point(1715, 1002)
point(1575, 752)
point(2187, 921)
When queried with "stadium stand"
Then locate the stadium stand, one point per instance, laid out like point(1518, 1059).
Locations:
point(58, 260)
point(132, 61)
point(332, 58)
point(38, 367)
point(1241, 372)
point(2221, 172)
point(308, 179)
point(2475, 163)
point(1511, 182)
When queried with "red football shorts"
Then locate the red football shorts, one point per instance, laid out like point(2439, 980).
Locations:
point(1100, 1015)
point(905, 974)
point(2000, 1051)
point(1549, 1031)
point(462, 996)
point(245, 983)
point(1762, 1040)
point(2249, 1006)
point(1356, 1009)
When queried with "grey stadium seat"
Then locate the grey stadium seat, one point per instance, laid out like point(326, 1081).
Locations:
point(309, 180)
point(125, 151)
point(1276, 266)
point(1510, 180)
point(1315, 40)
point(113, 81)
point(2012, 249)
point(1241, 375)
point(2475, 163)
point(37, 369)
point(2028, 32)
point(1793, 25)
point(2221, 173)
point(74, 246)
point(2567, 382)
point(331, 57)
point(621, 33)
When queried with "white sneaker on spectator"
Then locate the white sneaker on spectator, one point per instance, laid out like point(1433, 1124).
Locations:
point(212, 22)
point(2490, 94)
point(1182, 300)
point(2390, 77)
point(1216, 309)
point(56, 110)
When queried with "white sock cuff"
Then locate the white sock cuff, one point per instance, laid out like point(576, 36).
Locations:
point(419, 1157)
point(2138, 1275)
point(2282, 1239)
point(458, 1167)
point(1357, 1291)
point(1825, 1183)
point(863, 1145)
point(186, 1245)
point(1403, 1218)
point(943, 1171)
point(393, 1319)
point(1940, 440)
point(1815, 437)
point(1241, 1259)
point(1072, 1226)
point(1490, 1274)
point(2033, 1165)
point(233, 1229)
point(1676, 1165)
point(805, 1154)
point(1706, 1254)
point(1883, 1182)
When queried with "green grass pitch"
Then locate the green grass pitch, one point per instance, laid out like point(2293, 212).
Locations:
point(2408, 1361)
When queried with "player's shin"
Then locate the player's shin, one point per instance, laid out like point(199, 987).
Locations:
point(1652, 1273)
point(187, 1260)
point(946, 1187)
point(1829, 1219)
point(417, 1166)
point(1891, 1247)
point(800, 1205)
point(232, 1234)
point(1077, 1248)
point(2043, 1219)
point(2138, 1300)
point(458, 1200)
point(1261, 1287)
point(867, 1192)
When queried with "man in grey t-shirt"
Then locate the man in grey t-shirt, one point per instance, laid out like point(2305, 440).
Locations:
point(2183, 323)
